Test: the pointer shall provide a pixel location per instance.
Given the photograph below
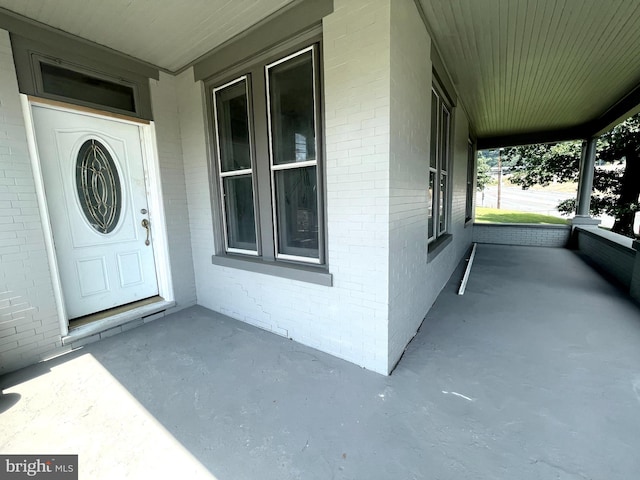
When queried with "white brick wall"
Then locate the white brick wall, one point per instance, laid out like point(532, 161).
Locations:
point(29, 328)
point(415, 280)
point(348, 320)
point(440, 268)
point(521, 234)
point(164, 101)
point(409, 172)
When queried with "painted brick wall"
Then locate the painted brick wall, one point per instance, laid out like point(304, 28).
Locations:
point(29, 328)
point(526, 235)
point(164, 102)
point(615, 259)
point(416, 279)
point(409, 174)
point(348, 320)
point(194, 152)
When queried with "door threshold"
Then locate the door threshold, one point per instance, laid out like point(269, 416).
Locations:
point(99, 323)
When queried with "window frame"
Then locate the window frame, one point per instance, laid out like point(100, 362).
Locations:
point(441, 169)
point(256, 72)
point(295, 165)
point(235, 173)
point(471, 180)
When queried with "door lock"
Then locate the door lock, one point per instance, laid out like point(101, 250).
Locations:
point(147, 226)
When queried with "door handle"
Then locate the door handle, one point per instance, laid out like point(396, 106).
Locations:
point(147, 226)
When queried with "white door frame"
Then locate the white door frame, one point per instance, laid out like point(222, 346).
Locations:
point(150, 160)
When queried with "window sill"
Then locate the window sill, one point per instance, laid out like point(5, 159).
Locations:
point(438, 246)
point(302, 273)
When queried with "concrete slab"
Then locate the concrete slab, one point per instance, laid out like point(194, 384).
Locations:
point(532, 374)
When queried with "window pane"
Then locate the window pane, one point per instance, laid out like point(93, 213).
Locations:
point(239, 214)
point(98, 186)
point(292, 110)
point(69, 83)
point(435, 108)
point(232, 121)
point(432, 177)
point(442, 208)
point(297, 211)
point(444, 145)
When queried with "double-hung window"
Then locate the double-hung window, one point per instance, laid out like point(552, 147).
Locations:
point(235, 166)
point(270, 187)
point(439, 161)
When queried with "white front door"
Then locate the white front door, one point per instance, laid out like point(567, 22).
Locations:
point(95, 189)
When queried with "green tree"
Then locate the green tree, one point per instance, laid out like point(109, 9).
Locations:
point(615, 191)
point(484, 172)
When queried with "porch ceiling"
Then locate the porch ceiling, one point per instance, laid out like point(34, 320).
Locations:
point(524, 69)
point(166, 33)
point(538, 66)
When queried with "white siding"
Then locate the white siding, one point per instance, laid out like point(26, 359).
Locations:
point(164, 100)
point(29, 328)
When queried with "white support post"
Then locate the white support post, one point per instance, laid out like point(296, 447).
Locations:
point(585, 184)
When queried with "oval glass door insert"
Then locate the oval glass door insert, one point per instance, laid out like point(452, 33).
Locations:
point(98, 186)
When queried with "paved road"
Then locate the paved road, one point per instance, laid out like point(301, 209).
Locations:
point(535, 201)
point(514, 198)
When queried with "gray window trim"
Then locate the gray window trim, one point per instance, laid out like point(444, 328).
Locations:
point(443, 168)
point(267, 261)
point(221, 175)
point(273, 167)
point(291, 271)
point(438, 245)
point(72, 54)
point(39, 60)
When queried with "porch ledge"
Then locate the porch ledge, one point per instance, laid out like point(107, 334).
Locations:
point(613, 239)
point(523, 234)
point(546, 226)
point(101, 326)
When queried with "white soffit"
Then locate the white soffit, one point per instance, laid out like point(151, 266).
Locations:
point(167, 33)
point(536, 65)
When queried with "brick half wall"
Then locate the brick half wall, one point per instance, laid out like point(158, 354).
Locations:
point(522, 234)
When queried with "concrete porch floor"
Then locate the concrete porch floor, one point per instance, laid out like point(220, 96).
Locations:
point(533, 374)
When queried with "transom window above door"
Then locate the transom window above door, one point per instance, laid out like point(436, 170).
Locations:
point(266, 126)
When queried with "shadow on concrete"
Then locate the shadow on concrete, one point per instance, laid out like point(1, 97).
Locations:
point(533, 373)
point(8, 400)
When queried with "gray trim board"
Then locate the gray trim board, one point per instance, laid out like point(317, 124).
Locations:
point(442, 76)
point(620, 111)
point(302, 273)
point(438, 245)
point(28, 53)
point(276, 28)
point(72, 45)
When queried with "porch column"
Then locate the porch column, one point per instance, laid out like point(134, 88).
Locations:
point(585, 183)
point(634, 289)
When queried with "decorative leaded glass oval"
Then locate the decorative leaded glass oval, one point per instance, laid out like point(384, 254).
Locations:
point(98, 186)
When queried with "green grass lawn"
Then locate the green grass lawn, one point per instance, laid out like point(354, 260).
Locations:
point(493, 215)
